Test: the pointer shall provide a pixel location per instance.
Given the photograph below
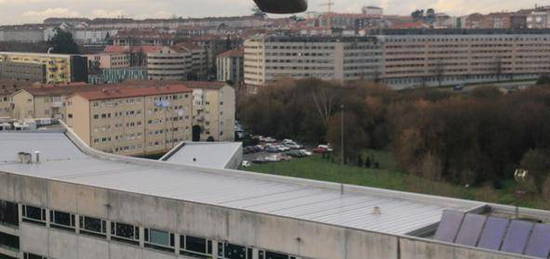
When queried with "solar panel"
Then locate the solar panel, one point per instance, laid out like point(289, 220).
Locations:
point(493, 233)
point(517, 236)
point(449, 226)
point(471, 229)
point(539, 243)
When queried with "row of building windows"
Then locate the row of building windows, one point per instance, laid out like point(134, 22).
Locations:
point(122, 232)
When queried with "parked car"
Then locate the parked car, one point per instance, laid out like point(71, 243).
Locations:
point(322, 149)
point(295, 153)
point(282, 148)
point(305, 152)
point(271, 149)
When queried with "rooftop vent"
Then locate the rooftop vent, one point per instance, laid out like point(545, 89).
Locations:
point(24, 157)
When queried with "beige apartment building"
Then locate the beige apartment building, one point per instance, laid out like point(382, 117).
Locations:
point(456, 57)
point(7, 89)
point(402, 58)
point(109, 60)
point(213, 111)
point(136, 121)
point(43, 101)
point(268, 58)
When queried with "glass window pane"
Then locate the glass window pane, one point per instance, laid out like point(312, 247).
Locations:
point(271, 255)
point(10, 241)
point(9, 213)
point(159, 237)
point(124, 230)
point(232, 251)
point(92, 224)
point(34, 213)
point(62, 218)
point(195, 244)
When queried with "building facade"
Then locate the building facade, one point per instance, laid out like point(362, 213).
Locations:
point(59, 68)
point(132, 121)
point(108, 60)
point(176, 63)
point(230, 66)
point(78, 203)
point(23, 71)
point(402, 58)
point(214, 108)
point(268, 58)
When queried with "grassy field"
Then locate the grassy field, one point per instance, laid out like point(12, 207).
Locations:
point(388, 176)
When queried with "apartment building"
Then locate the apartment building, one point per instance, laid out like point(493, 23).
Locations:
point(214, 110)
point(538, 19)
point(268, 58)
point(447, 57)
point(108, 60)
point(403, 58)
point(23, 71)
point(43, 101)
point(177, 62)
point(135, 121)
point(59, 68)
point(7, 89)
point(230, 66)
point(28, 33)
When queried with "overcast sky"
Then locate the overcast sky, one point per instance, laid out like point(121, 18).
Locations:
point(34, 11)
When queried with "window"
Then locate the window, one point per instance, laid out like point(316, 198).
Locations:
point(195, 246)
point(33, 256)
point(273, 255)
point(9, 241)
point(62, 220)
point(231, 251)
point(9, 213)
point(93, 226)
point(125, 233)
point(159, 239)
point(34, 215)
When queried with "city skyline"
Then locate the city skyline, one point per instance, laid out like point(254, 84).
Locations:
point(34, 11)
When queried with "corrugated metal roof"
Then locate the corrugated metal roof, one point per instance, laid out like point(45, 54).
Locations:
point(290, 197)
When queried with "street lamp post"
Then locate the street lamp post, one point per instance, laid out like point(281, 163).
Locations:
point(342, 156)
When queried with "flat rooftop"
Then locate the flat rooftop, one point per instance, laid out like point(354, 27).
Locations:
point(203, 154)
point(62, 160)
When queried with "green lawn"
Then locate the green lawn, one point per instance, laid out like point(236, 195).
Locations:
point(390, 177)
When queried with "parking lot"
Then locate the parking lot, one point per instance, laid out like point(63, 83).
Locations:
point(269, 150)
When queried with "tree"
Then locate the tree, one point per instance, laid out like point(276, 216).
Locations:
point(418, 15)
point(543, 80)
point(63, 43)
point(439, 72)
point(537, 162)
point(355, 139)
point(430, 16)
point(487, 92)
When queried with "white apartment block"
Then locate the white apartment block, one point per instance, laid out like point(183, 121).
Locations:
point(230, 66)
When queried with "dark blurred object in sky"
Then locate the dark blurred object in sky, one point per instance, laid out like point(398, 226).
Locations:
point(282, 6)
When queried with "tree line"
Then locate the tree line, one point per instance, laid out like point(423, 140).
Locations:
point(473, 138)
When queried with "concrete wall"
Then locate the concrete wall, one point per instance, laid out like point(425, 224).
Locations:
point(291, 236)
